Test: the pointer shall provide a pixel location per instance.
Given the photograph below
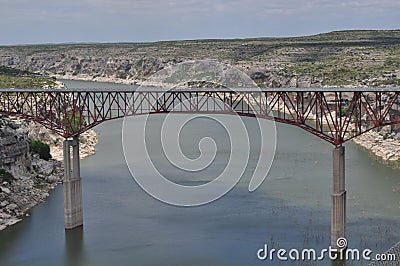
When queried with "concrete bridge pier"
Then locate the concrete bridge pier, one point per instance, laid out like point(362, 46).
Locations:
point(338, 219)
point(73, 215)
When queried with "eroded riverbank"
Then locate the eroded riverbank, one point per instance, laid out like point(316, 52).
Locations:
point(381, 147)
point(32, 178)
point(26, 179)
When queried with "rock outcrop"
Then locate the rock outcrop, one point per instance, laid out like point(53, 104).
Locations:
point(385, 147)
point(14, 147)
point(29, 178)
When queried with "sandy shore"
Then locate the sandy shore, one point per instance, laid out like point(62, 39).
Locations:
point(83, 77)
point(136, 82)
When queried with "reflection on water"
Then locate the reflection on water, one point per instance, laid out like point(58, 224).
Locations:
point(11, 237)
point(291, 209)
point(74, 247)
point(338, 263)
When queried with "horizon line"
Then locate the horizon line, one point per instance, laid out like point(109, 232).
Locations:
point(183, 40)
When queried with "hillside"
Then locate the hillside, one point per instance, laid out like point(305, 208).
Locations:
point(15, 78)
point(345, 58)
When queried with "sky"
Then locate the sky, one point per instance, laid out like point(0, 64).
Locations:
point(64, 21)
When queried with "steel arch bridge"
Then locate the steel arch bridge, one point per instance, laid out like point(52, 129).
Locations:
point(335, 115)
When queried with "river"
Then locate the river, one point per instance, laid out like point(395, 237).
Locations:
point(291, 209)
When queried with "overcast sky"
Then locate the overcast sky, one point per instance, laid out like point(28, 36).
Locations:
point(56, 21)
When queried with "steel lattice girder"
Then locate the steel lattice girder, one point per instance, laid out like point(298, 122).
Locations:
point(335, 115)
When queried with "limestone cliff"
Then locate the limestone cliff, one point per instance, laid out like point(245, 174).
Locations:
point(14, 147)
point(346, 58)
point(29, 178)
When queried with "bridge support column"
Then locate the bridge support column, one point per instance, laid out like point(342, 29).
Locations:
point(338, 219)
point(73, 215)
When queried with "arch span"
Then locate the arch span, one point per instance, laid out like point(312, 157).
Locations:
point(335, 114)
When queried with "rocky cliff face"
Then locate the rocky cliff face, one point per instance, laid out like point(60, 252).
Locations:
point(32, 177)
point(82, 63)
point(14, 147)
point(347, 58)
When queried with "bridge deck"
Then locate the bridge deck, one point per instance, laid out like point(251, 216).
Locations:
point(158, 89)
point(333, 114)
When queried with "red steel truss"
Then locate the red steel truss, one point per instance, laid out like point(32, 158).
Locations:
point(333, 114)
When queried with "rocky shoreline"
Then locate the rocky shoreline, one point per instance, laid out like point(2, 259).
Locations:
point(83, 77)
point(26, 179)
point(32, 178)
point(382, 147)
point(28, 190)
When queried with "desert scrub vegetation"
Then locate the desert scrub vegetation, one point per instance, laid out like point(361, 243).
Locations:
point(6, 176)
point(25, 82)
point(41, 148)
point(15, 78)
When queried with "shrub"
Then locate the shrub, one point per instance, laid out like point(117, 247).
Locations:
point(41, 148)
point(386, 136)
point(343, 111)
point(6, 176)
